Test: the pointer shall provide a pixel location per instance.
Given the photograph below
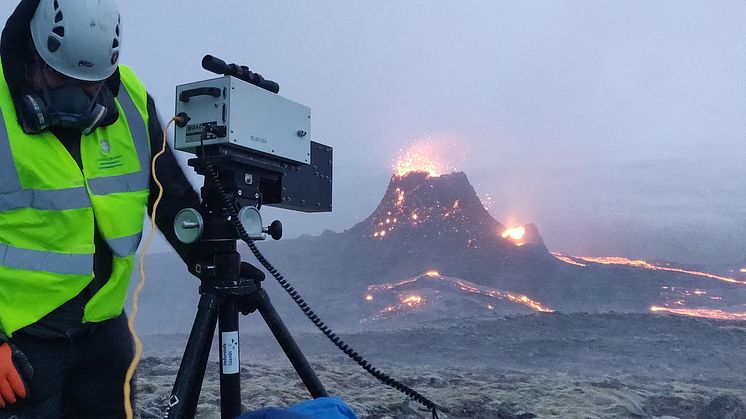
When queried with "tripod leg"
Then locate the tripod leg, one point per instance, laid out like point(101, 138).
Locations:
point(289, 346)
point(230, 368)
point(183, 401)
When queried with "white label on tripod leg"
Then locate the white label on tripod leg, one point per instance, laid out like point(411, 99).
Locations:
point(230, 352)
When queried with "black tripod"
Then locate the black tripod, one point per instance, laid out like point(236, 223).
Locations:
point(228, 287)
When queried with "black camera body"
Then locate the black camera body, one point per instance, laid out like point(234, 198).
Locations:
point(259, 141)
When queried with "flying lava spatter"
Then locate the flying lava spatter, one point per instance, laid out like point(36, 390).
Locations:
point(426, 155)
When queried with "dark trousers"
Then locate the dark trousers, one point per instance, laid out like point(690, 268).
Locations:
point(76, 378)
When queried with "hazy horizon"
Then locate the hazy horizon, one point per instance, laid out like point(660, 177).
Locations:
point(616, 127)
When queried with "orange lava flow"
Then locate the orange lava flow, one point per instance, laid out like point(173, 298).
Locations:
point(535, 305)
point(491, 292)
point(567, 259)
point(640, 264)
point(389, 286)
point(410, 300)
point(647, 265)
point(700, 312)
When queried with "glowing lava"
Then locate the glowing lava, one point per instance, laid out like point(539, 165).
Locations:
point(515, 233)
point(404, 212)
point(677, 297)
point(503, 295)
point(412, 300)
point(487, 201)
point(700, 312)
point(407, 301)
point(647, 265)
point(425, 156)
point(390, 285)
point(641, 264)
point(567, 259)
point(399, 197)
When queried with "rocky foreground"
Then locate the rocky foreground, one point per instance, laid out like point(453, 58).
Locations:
point(551, 365)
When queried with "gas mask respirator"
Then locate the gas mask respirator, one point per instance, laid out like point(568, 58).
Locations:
point(67, 107)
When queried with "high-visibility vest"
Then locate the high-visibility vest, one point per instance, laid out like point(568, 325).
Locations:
point(49, 209)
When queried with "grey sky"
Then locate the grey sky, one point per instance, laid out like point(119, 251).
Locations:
point(616, 127)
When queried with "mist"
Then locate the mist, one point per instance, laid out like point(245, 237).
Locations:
point(617, 128)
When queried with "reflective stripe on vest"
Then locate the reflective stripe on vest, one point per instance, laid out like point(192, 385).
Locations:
point(123, 246)
point(9, 181)
point(61, 199)
point(35, 260)
point(52, 199)
point(64, 199)
point(12, 197)
point(48, 209)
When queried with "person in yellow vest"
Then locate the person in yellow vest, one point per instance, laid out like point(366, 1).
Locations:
point(77, 134)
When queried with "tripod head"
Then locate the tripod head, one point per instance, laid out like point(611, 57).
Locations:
point(229, 182)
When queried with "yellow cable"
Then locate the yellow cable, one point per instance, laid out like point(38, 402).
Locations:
point(141, 284)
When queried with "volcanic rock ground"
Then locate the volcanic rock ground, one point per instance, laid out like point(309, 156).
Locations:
point(601, 355)
point(547, 365)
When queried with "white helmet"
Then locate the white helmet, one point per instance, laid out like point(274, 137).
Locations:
point(78, 38)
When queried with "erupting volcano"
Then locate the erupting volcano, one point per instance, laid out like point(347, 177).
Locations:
point(423, 206)
point(427, 200)
point(430, 219)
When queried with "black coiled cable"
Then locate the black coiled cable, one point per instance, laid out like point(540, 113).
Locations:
point(338, 342)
